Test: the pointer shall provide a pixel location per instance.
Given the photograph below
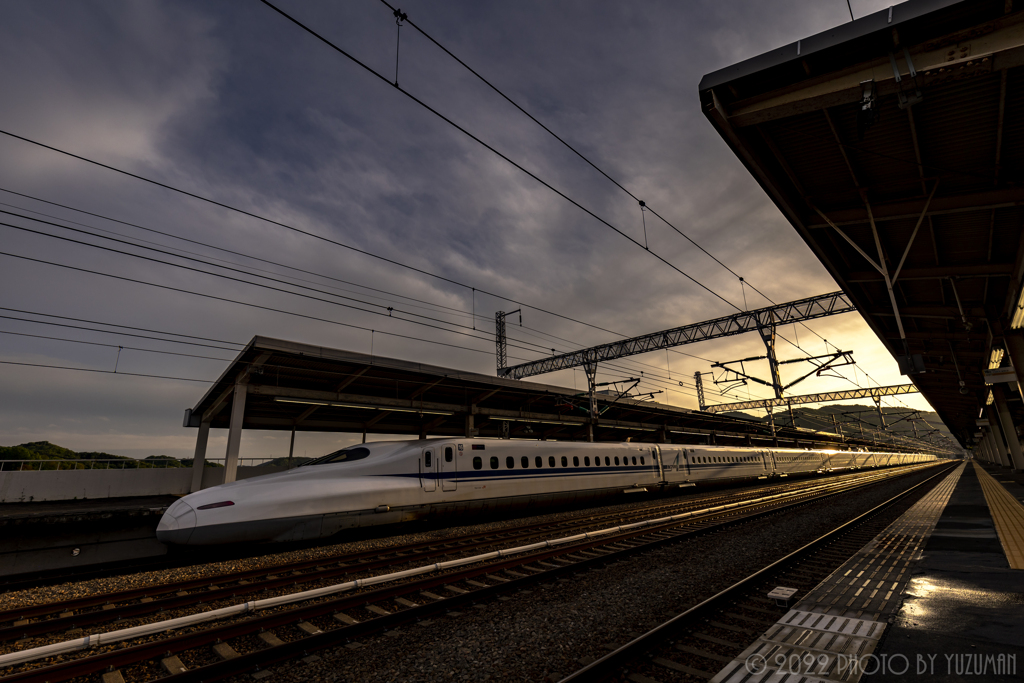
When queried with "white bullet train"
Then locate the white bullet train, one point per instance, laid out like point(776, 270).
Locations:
point(398, 481)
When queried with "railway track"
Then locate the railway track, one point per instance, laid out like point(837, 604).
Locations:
point(18, 582)
point(284, 628)
point(699, 642)
point(27, 622)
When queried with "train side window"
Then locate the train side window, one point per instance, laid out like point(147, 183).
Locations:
point(565, 461)
point(510, 462)
point(641, 460)
point(634, 459)
point(607, 460)
point(448, 453)
point(575, 461)
point(586, 460)
point(525, 462)
point(539, 461)
point(616, 460)
point(477, 462)
point(551, 461)
point(494, 462)
point(428, 460)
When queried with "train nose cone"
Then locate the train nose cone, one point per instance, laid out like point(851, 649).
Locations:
point(177, 524)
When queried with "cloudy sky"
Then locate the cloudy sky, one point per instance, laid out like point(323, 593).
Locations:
point(232, 102)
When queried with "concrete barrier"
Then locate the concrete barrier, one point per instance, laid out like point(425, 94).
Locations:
point(50, 485)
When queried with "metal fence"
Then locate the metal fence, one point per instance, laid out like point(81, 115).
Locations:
point(85, 464)
point(112, 464)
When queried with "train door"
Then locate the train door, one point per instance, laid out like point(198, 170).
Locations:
point(428, 468)
point(765, 464)
point(448, 467)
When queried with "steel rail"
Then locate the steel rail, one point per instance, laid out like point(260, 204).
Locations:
point(608, 666)
point(120, 657)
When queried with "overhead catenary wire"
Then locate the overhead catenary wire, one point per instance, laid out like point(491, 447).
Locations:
point(432, 274)
point(260, 259)
point(494, 150)
point(457, 311)
point(113, 346)
point(278, 289)
point(245, 303)
point(643, 205)
point(386, 313)
point(307, 233)
point(127, 327)
point(206, 263)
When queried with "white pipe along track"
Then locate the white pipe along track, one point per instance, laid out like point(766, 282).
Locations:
point(95, 640)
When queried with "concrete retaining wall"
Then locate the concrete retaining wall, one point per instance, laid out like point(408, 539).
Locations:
point(25, 487)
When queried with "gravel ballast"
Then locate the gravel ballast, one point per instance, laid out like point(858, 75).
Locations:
point(551, 630)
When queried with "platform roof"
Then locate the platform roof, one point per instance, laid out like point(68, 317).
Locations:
point(313, 388)
point(953, 131)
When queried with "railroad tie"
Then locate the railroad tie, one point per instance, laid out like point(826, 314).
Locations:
point(456, 590)
point(432, 596)
point(703, 653)
point(345, 619)
point(307, 627)
point(682, 668)
point(640, 678)
point(172, 665)
point(270, 639)
point(406, 603)
point(224, 651)
point(378, 610)
point(112, 677)
point(478, 584)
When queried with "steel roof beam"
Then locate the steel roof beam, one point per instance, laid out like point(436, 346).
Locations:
point(746, 321)
point(874, 392)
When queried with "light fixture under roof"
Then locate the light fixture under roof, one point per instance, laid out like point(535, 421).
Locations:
point(335, 404)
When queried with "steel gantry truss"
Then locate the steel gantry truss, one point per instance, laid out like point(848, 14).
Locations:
point(769, 403)
point(762, 319)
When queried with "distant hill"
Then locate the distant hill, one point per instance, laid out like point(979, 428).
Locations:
point(852, 419)
point(44, 450)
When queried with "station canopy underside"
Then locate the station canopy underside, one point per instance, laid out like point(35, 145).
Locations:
point(311, 388)
point(934, 159)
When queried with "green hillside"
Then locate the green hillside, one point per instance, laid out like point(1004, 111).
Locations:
point(44, 450)
point(854, 420)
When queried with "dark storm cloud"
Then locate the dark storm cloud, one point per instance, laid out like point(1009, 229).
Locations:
point(230, 101)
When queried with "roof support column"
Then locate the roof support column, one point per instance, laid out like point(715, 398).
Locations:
point(997, 435)
point(199, 459)
point(1009, 430)
point(995, 444)
point(986, 449)
point(235, 432)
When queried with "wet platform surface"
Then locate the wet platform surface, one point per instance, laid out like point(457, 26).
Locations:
point(962, 616)
point(931, 598)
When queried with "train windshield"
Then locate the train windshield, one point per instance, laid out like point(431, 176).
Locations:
point(344, 455)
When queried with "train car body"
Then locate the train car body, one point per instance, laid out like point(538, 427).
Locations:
point(399, 481)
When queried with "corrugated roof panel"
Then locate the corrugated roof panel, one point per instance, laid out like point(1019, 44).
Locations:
point(956, 130)
point(1012, 158)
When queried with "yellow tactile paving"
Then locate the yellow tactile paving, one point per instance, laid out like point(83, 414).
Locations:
point(1008, 516)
